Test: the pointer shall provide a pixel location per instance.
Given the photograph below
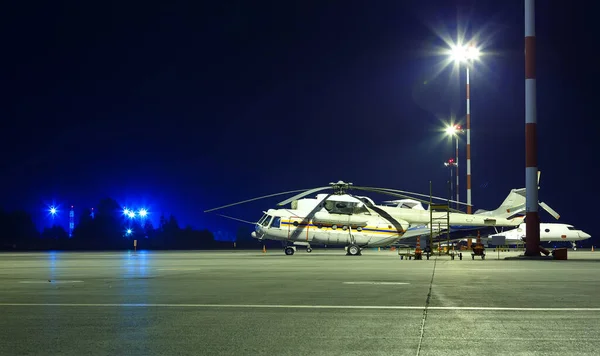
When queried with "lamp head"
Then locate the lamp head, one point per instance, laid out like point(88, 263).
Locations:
point(464, 53)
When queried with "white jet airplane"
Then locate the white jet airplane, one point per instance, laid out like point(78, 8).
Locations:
point(549, 232)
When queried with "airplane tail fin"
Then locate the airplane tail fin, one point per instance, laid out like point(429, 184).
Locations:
point(513, 204)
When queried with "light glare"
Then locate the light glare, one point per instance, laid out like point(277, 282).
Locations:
point(451, 130)
point(143, 212)
point(473, 53)
point(458, 53)
point(463, 53)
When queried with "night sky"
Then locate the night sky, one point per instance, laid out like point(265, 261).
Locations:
point(181, 107)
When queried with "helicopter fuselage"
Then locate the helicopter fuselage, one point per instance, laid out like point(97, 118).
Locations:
point(336, 229)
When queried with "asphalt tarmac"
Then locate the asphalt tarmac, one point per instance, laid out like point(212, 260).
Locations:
point(322, 303)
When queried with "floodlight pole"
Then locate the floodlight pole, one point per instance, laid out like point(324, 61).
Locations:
point(448, 217)
point(469, 211)
point(451, 179)
point(532, 230)
point(430, 218)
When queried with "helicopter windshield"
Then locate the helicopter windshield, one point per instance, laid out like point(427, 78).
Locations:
point(265, 220)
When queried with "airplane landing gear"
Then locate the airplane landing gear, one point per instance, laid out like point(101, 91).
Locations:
point(478, 250)
point(289, 251)
point(574, 245)
point(308, 249)
point(353, 250)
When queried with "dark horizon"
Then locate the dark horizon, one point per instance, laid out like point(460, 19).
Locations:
point(184, 107)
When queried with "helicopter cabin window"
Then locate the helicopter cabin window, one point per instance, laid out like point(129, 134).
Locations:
point(409, 204)
point(266, 221)
point(276, 221)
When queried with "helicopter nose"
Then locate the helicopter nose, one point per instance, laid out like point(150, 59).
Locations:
point(253, 234)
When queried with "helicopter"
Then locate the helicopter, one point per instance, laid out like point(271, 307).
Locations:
point(341, 218)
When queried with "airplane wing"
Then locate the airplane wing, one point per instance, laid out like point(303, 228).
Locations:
point(422, 230)
point(415, 231)
point(440, 236)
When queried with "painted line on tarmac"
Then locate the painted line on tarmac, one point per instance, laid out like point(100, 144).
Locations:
point(48, 281)
point(381, 283)
point(291, 306)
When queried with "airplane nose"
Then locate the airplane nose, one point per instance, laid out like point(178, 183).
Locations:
point(253, 234)
point(584, 235)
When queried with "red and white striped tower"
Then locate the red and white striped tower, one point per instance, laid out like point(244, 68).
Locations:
point(532, 219)
point(469, 211)
point(456, 164)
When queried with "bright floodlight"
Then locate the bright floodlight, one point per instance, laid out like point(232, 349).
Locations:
point(129, 231)
point(461, 54)
point(473, 52)
point(458, 53)
point(53, 210)
point(131, 214)
point(125, 211)
point(143, 212)
point(451, 130)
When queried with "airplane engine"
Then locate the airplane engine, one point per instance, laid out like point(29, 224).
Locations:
point(339, 220)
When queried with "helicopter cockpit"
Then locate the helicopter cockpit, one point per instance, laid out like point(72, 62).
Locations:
point(269, 221)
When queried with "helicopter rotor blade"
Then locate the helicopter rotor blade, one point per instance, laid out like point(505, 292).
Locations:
point(383, 214)
point(306, 220)
point(253, 199)
point(299, 229)
point(426, 196)
point(236, 219)
point(413, 193)
point(398, 195)
point(301, 195)
point(383, 191)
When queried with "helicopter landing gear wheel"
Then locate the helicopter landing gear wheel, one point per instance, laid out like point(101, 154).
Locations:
point(353, 250)
point(308, 249)
point(289, 251)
